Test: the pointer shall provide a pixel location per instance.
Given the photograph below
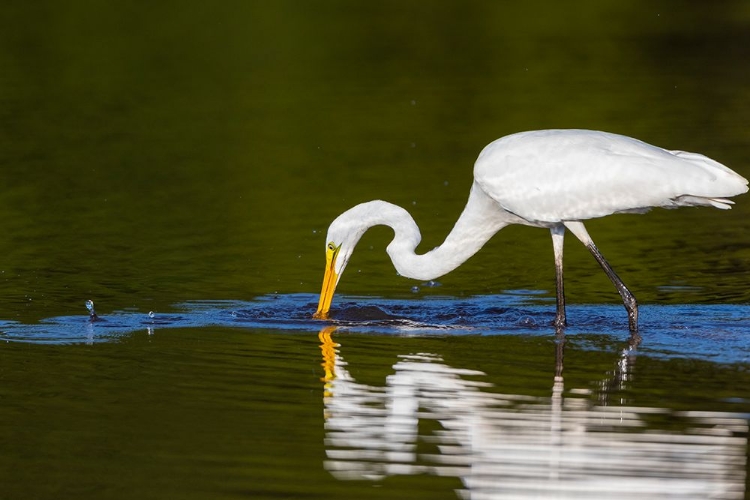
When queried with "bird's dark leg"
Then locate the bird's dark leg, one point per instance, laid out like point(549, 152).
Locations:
point(558, 234)
point(631, 305)
point(628, 299)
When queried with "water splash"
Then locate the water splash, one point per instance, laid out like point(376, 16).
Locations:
point(714, 332)
point(92, 312)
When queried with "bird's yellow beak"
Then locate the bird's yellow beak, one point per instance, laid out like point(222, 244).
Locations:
point(330, 279)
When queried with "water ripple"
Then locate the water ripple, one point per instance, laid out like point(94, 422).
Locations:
point(716, 332)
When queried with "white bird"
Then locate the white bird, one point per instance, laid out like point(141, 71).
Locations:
point(553, 179)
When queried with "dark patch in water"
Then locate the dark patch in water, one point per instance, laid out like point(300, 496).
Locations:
point(363, 313)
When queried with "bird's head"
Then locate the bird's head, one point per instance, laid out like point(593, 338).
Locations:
point(343, 235)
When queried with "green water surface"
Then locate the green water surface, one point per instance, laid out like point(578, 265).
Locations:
point(157, 153)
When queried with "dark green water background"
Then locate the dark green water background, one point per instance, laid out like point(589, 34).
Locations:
point(157, 153)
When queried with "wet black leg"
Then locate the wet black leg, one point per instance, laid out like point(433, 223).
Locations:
point(628, 300)
point(558, 234)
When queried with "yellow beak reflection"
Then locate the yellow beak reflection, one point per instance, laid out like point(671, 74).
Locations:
point(330, 279)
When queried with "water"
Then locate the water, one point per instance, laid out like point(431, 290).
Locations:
point(712, 332)
point(178, 164)
point(241, 399)
point(237, 398)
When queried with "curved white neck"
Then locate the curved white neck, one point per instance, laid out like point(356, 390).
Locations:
point(480, 220)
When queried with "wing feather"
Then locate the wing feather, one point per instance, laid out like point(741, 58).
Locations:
point(557, 175)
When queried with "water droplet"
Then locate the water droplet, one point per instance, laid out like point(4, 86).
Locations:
point(151, 314)
point(90, 307)
point(415, 289)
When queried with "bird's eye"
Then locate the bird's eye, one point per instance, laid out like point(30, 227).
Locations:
point(331, 247)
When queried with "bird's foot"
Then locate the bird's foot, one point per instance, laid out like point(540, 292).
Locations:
point(559, 323)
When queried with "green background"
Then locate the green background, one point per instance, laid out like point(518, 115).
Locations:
point(153, 153)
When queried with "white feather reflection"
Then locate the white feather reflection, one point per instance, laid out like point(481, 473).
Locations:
point(516, 446)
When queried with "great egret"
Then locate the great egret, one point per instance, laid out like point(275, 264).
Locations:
point(548, 178)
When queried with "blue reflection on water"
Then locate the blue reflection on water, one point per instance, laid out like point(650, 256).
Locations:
point(715, 332)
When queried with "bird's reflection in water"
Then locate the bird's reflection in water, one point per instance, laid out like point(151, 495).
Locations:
point(519, 446)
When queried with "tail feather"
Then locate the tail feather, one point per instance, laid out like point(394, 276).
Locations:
point(700, 201)
point(727, 182)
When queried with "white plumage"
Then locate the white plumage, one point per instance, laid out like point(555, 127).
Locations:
point(547, 178)
point(558, 175)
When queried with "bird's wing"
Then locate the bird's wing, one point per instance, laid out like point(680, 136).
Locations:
point(553, 176)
